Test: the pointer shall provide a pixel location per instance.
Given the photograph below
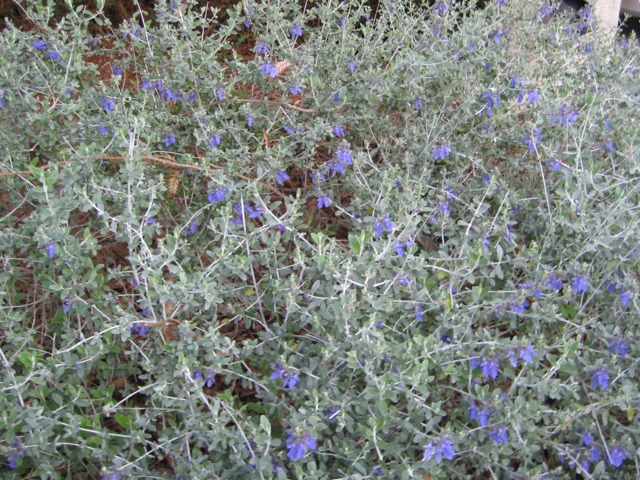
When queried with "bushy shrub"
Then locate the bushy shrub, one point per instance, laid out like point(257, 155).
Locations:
point(329, 241)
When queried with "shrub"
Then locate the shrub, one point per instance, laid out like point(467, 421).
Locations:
point(319, 242)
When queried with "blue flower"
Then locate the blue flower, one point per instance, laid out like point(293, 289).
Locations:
point(105, 131)
point(418, 312)
point(619, 346)
point(493, 100)
point(587, 439)
point(249, 121)
point(513, 358)
point(579, 284)
point(12, 462)
point(215, 141)
point(473, 411)
point(169, 140)
point(600, 379)
point(609, 146)
point(117, 70)
point(193, 226)
point(338, 130)
point(387, 223)
point(291, 380)
point(625, 297)
point(527, 353)
point(262, 49)
point(483, 417)
point(441, 151)
point(555, 283)
point(108, 103)
point(377, 228)
point(617, 455)
point(417, 103)
point(269, 69)
point(39, 45)
point(282, 177)
point(520, 308)
point(490, 367)
point(441, 449)
point(54, 55)
point(51, 249)
point(168, 95)
point(498, 435)
point(594, 453)
point(377, 470)
point(66, 306)
point(352, 67)
point(298, 445)
point(254, 212)
point(217, 196)
point(532, 96)
point(336, 97)
point(295, 89)
point(323, 201)
point(296, 31)
point(474, 362)
point(210, 380)
point(399, 248)
point(444, 208)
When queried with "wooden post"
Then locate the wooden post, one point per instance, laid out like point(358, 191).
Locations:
point(606, 13)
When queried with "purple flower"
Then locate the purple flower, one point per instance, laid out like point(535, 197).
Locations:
point(51, 249)
point(12, 462)
point(600, 379)
point(217, 196)
point(555, 283)
point(441, 449)
point(193, 226)
point(532, 96)
point(513, 358)
point(500, 34)
point(215, 141)
point(295, 89)
point(619, 346)
point(249, 121)
point(298, 445)
point(473, 411)
point(579, 285)
point(54, 55)
point(609, 146)
point(269, 69)
point(515, 81)
point(474, 362)
point(387, 223)
point(282, 177)
point(625, 297)
point(105, 131)
point(168, 95)
point(254, 212)
point(617, 455)
point(399, 248)
point(39, 45)
point(520, 308)
point(417, 103)
point(490, 367)
point(485, 243)
point(338, 131)
point(377, 228)
point(296, 31)
point(117, 70)
point(483, 417)
point(108, 103)
point(336, 97)
point(352, 67)
point(418, 312)
point(493, 100)
point(66, 306)
point(291, 380)
point(444, 208)
point(498, 435)
point(531, 139)
point(169, 140)
point(262, 49)
point(210, 380)
point(441, 151)
point(323, 201)
point(527, 353)
point(587, 439)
